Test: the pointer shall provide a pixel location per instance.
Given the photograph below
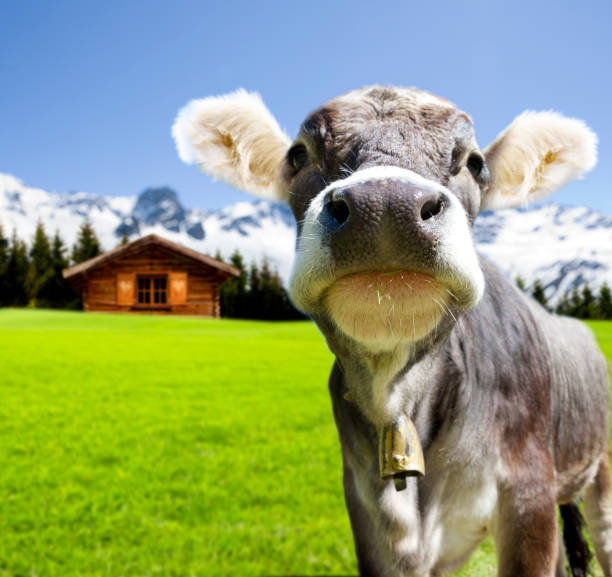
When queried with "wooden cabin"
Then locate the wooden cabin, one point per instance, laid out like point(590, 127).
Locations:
point(151, 275)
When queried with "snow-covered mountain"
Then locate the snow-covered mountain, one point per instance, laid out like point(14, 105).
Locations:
point(562, 246)
point(256, 229)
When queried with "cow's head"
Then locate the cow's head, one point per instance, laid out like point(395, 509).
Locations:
point(384, 184)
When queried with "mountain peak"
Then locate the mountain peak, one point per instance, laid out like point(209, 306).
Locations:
point(159, 206)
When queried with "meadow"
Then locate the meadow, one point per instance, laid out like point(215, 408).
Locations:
point(137, 446)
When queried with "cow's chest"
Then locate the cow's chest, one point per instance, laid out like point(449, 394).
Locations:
point(433, 526)
point(467, 509)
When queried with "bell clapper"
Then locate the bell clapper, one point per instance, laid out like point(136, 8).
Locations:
point(400, 482)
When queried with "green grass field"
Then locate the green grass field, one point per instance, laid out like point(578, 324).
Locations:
point(136, 446)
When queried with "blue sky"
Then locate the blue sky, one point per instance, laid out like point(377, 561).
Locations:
point(89, 90)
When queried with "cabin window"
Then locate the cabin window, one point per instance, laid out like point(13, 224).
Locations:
point(152, 290)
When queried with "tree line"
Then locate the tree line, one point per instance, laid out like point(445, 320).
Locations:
point(580, 302)
point(33, 277)
point(257, 293)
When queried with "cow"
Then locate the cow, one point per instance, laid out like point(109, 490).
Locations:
point(442, 366)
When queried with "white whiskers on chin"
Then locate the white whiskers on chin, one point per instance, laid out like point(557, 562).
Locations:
point(384, 309)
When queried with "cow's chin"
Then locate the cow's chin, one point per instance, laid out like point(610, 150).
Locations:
point(382, 310)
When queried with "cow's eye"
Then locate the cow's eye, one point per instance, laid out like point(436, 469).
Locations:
point(297, 157)
point(475, 164)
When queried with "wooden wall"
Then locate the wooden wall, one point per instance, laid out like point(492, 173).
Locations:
point(107, 288)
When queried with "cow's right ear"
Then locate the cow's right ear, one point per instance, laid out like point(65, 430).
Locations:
point(537, 154)
point(234, 138)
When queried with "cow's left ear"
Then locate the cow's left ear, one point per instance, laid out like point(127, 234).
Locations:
point(234, 138)
point(537, 154)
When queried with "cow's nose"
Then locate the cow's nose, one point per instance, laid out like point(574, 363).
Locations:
point(356, 204)
point(385, 220)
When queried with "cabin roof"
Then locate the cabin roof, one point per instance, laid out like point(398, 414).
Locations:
point(150, 239)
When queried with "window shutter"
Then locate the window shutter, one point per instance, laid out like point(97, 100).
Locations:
point(178, 288)
point(125, 289)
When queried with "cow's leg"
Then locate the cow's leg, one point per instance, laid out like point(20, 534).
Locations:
point(526, 531)
point(366, 547)
point(598, 511)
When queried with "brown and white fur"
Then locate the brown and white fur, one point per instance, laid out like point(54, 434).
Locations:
point(510, 402)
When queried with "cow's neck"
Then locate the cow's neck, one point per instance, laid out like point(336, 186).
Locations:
point(384, 384)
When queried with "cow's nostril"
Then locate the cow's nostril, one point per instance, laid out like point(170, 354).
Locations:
point(431, 208)
point(338, 209)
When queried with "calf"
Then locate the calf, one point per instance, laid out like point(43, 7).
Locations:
point(440, 361)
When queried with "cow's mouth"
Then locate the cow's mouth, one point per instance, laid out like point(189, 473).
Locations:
point(387, 307)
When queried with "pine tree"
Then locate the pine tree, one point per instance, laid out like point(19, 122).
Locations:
point(233, 292)
point(538, 294)
point(4, 258)
point(16, 272)
point(271, 295)
point(268, 293)
point(575, 303)
point(237, 261)
point(240, 285)
point(218, 256)
point(563, 306)
point(604, 303)
point(62, 294)
point(275, 303)
point(520, 283)
point(40, 271)
point(125, 239)
point(87, 244)
point(587, 306)
point(254, 296)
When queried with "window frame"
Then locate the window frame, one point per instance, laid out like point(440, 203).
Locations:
point(151, 290)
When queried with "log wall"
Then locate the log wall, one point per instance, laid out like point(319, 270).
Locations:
point(108, 288)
